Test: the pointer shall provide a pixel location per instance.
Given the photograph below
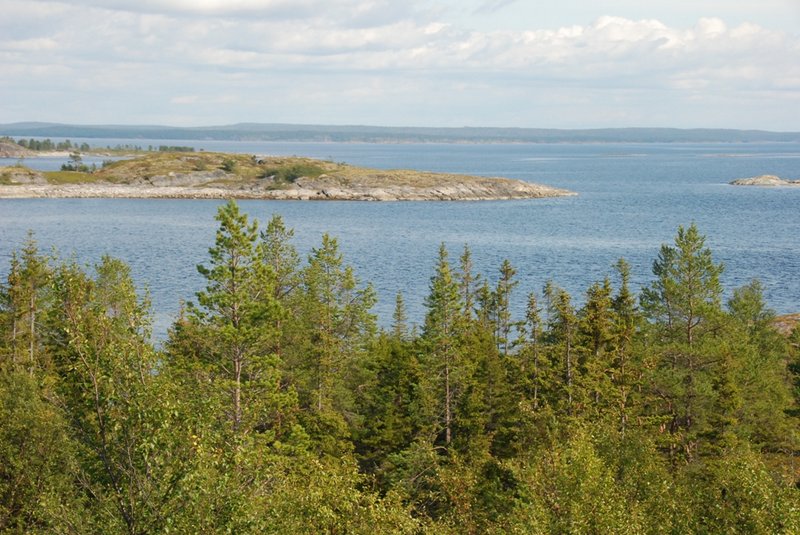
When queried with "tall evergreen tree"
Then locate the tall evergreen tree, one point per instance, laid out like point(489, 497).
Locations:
point(467, 281)
point(563, 324)
point(275, 250)
point(595, 335)
point(627, 374)
point(400, 318)
point(683, 305)
point(502, 309)
point(230, 332)
point(23, 301)
point(532, 364)
point(335, 322)
point(686, 293)
point(442, 344)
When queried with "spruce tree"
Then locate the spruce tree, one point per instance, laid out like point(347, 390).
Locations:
point(502, 309)
point(399, 318)
point(562, 330)
point(441, 336)
point(595, 335)
point(335, 324)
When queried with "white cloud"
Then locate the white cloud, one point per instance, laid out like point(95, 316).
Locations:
point(227, 57)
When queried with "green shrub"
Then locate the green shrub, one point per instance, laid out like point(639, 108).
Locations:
point(228, 165)
point(292, 172)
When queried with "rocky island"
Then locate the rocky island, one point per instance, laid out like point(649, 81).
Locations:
point(765, 180)
point(209, 175)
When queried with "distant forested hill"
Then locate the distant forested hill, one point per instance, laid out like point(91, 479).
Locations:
point(389, 134)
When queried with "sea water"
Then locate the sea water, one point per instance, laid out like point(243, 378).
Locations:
point(631, 199)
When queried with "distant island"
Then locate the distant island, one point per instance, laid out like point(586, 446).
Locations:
point(213, 175)
point(765, 180)
point(389, 134)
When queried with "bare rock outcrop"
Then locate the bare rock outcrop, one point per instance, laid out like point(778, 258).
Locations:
point(195, 178)
point(12, 150)
point(21, 176)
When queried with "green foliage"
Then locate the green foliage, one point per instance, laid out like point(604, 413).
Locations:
point(228, 165)
point(37, 489)
point(291, 172)
point(278, 406)
point(175, 148)
point(229, 330)
point(75, 163)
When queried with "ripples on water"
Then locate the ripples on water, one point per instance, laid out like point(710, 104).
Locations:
point(632, 197)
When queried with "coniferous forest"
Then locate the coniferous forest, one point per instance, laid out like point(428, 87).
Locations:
point(277, 405)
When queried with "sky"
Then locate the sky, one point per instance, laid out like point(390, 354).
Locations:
point(503, 63)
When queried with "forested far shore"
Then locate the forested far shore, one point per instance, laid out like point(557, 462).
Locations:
point(397, 134)
point(9, 147)
point(277, 405)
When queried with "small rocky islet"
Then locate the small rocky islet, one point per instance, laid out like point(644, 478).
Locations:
point(766, 181)
point(210, 175)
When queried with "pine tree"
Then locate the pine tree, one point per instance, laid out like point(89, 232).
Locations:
point(683, 304)
point(753, 385)
point(231, 330)
point(276, 252)
point(686, 293)
point(388, 403)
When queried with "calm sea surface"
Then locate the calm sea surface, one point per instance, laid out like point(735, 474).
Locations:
point(631, 199)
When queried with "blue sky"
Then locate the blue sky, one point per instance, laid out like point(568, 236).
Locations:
point(523, 63)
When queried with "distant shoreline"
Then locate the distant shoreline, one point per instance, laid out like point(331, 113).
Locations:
point(298, 133)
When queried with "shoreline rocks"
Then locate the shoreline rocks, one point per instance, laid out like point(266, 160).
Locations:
point(503, 190)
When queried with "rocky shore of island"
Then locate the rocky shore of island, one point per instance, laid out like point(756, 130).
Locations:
point(765, 180)
point(317, 189)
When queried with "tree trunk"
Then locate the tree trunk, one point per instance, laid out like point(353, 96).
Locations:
point(32, 330)
point(237, 392)
point(447, 407)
